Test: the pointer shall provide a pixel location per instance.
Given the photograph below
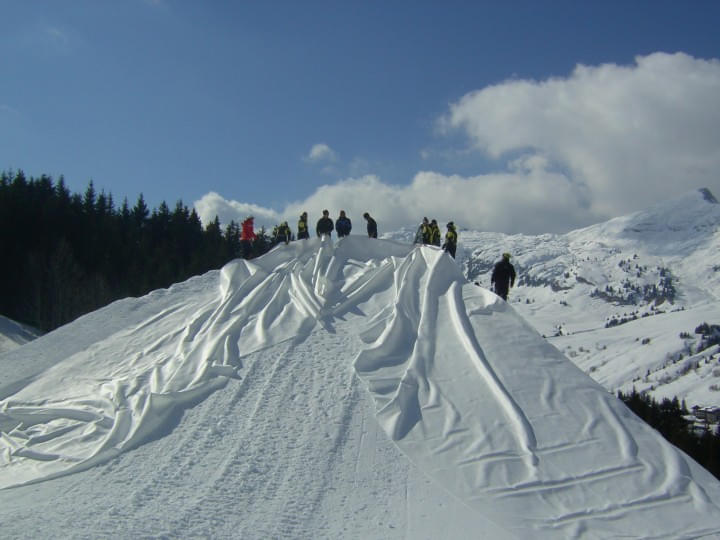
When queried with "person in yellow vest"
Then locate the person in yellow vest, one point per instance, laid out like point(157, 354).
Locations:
point(451, 238)
point(434, 233)
point(423, 233)
point(302, 227)
point(282, 233)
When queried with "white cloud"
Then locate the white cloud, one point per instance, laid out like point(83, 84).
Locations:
point(57, 35)
point(510, 202)
point(627, 135)
point(603, 142)
point(211, 204)
point(47, 40)
point(321, 152)
point(55, 40)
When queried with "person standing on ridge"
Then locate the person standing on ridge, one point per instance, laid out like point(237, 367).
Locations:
point(503, 276)
point(371, 225)
point(434, 233)
point(423, 233)
point(302, 227)
point(247, 237)
point(451, 238)
point(283, 233)
point(324, 225)
point(343, 225)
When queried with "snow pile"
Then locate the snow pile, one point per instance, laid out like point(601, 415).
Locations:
point(477, 400)
point(14, 335)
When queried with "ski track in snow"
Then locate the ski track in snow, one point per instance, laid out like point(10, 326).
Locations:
point(245, 466)
point(526, 440)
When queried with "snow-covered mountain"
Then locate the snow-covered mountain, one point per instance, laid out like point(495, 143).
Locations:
point(623, 299)
point(357, 389)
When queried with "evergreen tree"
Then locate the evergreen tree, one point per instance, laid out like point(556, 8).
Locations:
point(73, 253)
point(669, 418)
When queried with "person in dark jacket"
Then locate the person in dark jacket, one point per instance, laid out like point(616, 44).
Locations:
point(343, 225)
point(282, 233)
point(503, 276)
point(451, 238)
point(371, 225)
point(303, 232)
point(325, 225)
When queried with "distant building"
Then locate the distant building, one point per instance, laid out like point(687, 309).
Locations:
point(711, 415)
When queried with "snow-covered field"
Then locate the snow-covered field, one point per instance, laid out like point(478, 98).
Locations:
point(656, 272)
point(353, 389)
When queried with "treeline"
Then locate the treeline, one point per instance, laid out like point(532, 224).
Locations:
point(669, 418)
point(65, 254)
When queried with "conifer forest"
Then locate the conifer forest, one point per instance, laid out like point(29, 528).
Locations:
point(65, 254)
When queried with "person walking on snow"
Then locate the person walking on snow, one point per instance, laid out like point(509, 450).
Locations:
point(451, 238)
point(247, 237)
point(343, 225)
point(324, 225)
point(503, 276)
point(371, 225)
point(302, 227)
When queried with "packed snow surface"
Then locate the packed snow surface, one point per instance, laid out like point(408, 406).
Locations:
point(14, 335)
point(358, 389)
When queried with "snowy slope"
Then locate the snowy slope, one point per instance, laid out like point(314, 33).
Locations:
point(14, 334)
point(650, 355)
point(360, 389)
point(656, 271)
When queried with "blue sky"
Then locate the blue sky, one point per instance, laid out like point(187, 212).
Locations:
point(513, 116)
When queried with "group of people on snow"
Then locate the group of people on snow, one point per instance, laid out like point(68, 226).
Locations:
point(342, 225)
point(283, 234)
point(503, 275)
point(428, 233)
